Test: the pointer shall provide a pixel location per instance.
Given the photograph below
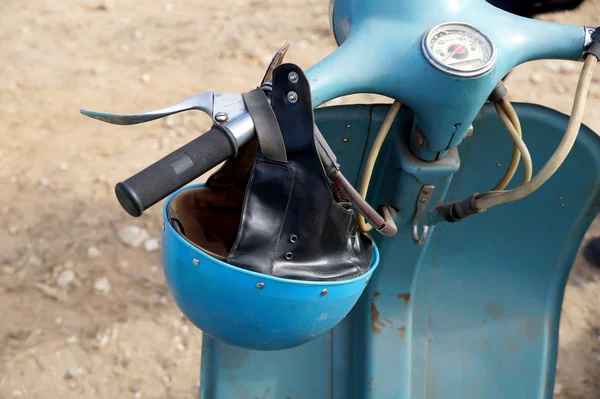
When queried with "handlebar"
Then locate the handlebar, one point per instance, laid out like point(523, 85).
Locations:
point(175, 170)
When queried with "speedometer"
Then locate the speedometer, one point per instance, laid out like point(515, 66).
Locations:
point(460, 50)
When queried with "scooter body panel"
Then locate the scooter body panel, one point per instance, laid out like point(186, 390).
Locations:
point(472, 313)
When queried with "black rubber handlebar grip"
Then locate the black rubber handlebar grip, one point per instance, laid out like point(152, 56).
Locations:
point(175, 170)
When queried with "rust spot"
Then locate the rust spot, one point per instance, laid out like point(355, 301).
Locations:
point(388, 320)
point(405, 296)
point(266, 392)
point(375, 319)
point(375, 322)
point(371, 385)
point(402, 331)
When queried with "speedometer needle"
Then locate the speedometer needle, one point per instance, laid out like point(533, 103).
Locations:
point(453, 53)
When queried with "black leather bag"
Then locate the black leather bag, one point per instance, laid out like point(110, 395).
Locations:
point(272, 209)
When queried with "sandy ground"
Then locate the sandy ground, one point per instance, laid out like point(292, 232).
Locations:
point(84, 315)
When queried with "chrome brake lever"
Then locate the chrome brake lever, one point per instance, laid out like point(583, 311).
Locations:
point(221, 107)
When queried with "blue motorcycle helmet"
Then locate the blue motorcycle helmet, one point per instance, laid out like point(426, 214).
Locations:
point(248, 309)
point(267, 255)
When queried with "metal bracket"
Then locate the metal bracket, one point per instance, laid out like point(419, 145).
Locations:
point(422, 203)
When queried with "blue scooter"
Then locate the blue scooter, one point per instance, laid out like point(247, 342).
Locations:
point(467, 298)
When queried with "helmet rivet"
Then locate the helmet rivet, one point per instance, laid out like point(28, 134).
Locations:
point(293, 238)
point(293, 77)
point(289, 256)
point(260, 285)
point(195, 261)
point(163, 227)
point(292, 97)
point(324, 292)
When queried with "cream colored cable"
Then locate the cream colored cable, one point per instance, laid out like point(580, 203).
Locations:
point(561, 153)
point(366, 179)
point(511, 122)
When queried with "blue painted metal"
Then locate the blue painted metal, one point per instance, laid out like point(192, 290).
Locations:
point(473, 313)
point(224, 301)
point(381, 53)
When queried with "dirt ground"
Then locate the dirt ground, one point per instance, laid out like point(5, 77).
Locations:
point(85, 315)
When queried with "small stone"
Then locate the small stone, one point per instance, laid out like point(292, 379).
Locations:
point(145, 78)
point(73, 373)
point(35, 261)
point(163, 300)
point(65, 278)
point(105, 5)
point(132, 236)
point(58, 320)
point(169, 7)
point(93, 252)
point(557, 389)
point(179, 346)
point(14, 179)
point(102, 286)
point(51, 292)
point(138, 34)
point(536, 78)
point(567, 67)
point(185, 329)
point(137, 395)
point(154, 268)
point(13, 230)
point(170, 121)
point(63, 165)
point(16, 394)
point(151, 245)
point(72, 340)
point(552, 66)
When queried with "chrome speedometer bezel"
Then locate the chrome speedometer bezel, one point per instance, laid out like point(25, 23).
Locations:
point(448, 70)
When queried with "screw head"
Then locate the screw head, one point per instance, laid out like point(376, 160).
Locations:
point(196, 261)
point(292, 97)
point(260, 285)
point(221, 117)
point(324, 292)
point(293, 77)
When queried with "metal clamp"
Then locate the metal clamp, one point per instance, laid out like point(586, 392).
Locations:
point(422, 203)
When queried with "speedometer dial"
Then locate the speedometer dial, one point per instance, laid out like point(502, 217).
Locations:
point(460, 50)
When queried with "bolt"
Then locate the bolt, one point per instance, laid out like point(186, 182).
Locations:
point(260, 285)
point(293, 77)
point(292, 97)
point(345, 139)
point(324, 292)
point(221, 117)
point(425, 192)
point(195, 261)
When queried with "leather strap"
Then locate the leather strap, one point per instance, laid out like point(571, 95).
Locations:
point(266, 125)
